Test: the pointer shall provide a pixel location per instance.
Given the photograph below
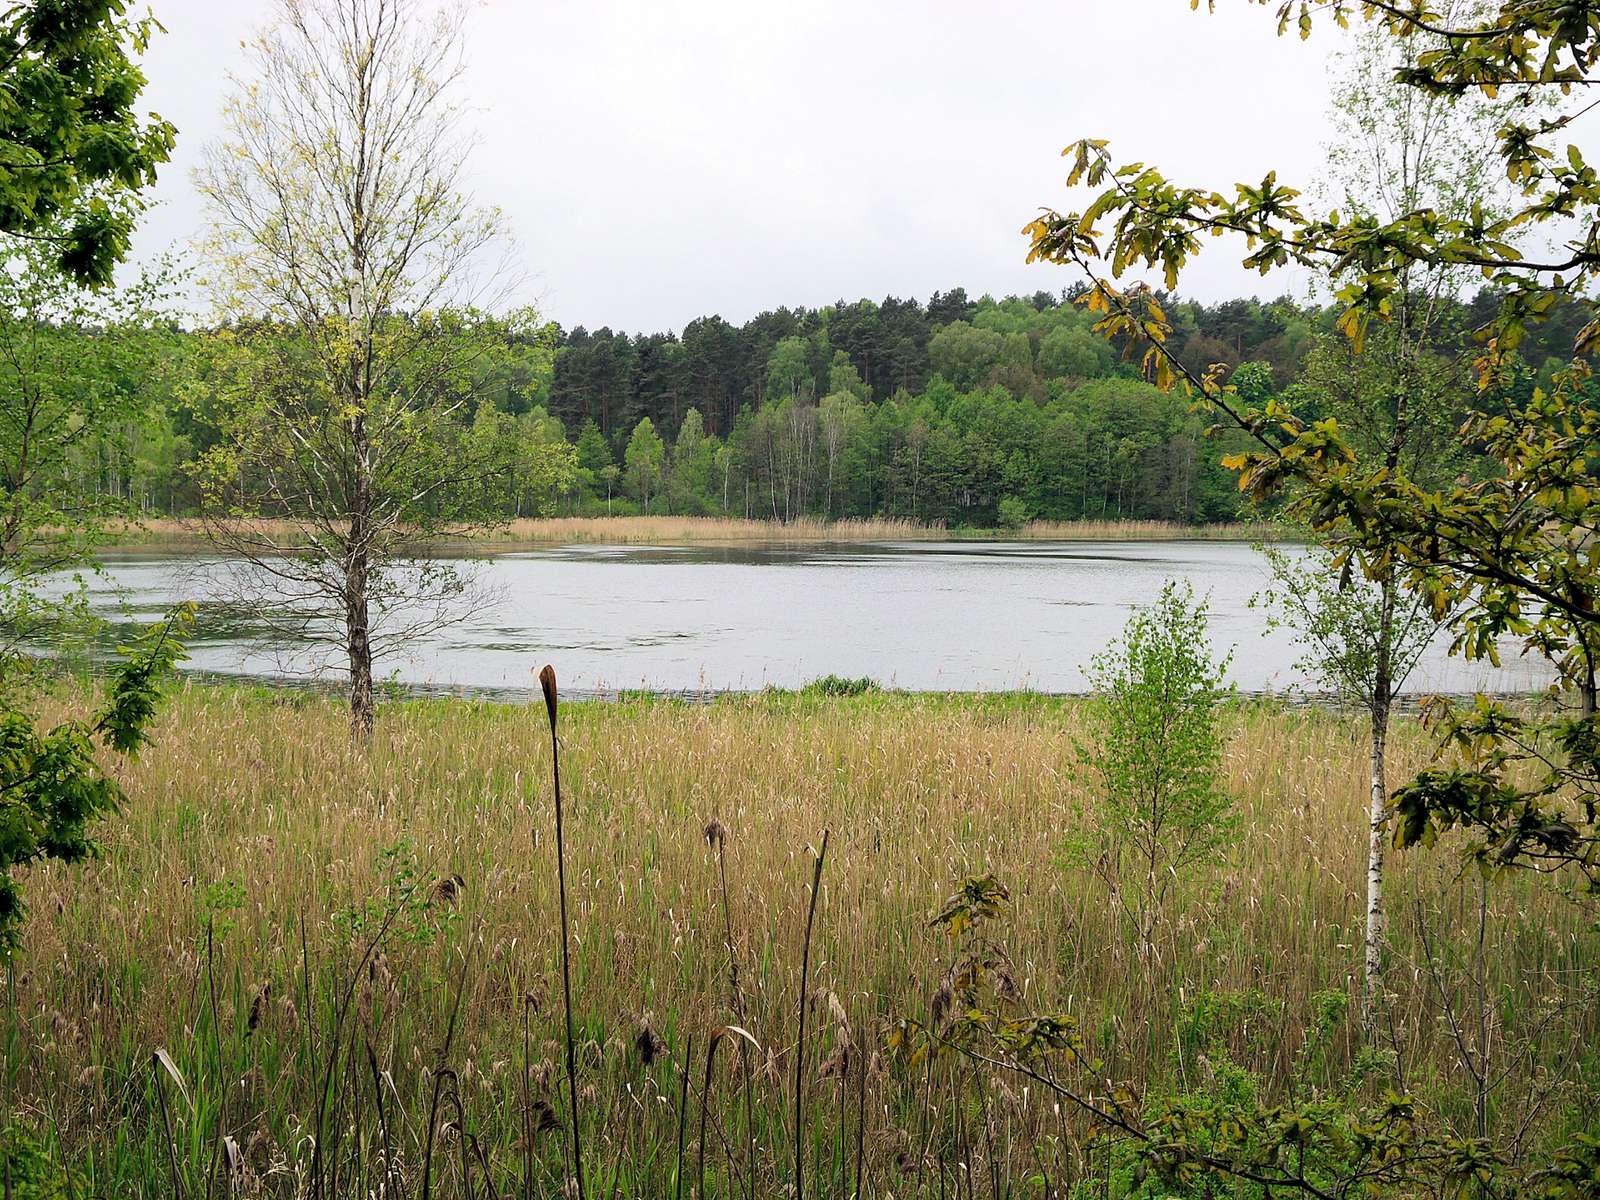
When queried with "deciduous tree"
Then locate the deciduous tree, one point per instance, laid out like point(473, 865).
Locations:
point(76, 156)
point(357, 272)
point(69, 361)
point(645, 457)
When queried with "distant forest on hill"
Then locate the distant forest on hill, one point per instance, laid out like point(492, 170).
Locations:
point(968, 411)
point(971, 412)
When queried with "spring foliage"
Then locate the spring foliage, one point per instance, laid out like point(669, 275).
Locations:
point(1509, 551)
point(1154, 751)
point(52, 785)
point(75, 147)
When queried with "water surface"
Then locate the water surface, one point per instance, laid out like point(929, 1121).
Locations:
point(944, 616)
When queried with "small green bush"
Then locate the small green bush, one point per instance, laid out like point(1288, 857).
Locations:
point(838, 685)
point(28, 1173)
point(1012, 513)
point(1152, 755)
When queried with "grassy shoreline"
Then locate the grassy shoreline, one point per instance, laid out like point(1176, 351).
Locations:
point(335, 690)
point(259, 850)
point(179, 534)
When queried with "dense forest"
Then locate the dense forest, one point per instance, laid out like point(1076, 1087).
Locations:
point(983, 413)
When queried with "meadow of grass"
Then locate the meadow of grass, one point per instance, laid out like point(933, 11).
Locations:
point(165, 533)
point(234, 924)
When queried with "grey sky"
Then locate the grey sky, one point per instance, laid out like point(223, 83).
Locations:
point(658, 161)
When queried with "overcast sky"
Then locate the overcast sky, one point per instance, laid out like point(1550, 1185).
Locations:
point(658, 161)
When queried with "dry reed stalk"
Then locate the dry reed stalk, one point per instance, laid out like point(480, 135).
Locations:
point(800, 1041)
point(182, 534)
point(547, 682)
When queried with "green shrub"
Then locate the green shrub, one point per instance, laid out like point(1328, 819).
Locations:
point(1153, 756)
point(1012, 513)
point(28, 1173)
point(838, 685)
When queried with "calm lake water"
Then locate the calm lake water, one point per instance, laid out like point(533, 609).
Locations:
point(953, 616)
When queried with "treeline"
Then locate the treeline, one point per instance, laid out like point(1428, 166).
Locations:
point(970, 412)
point(898, 346)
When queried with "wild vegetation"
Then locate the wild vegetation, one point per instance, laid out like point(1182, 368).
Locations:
point(843, 939)
point(179, 534)
point(260, 854)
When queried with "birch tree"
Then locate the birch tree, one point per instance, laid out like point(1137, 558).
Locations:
point(1360, 640)
point(1395, 150)
point(838, 416)
point(356, 274)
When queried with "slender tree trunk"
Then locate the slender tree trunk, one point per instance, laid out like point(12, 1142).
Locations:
point(363, 708)
point(358, 570)
point(1382, 699)
point(772, 475)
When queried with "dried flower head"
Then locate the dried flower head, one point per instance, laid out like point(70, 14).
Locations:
point(258, 1005)
point(447, 890)
point(837, 1064)
point(648, 1043)
point(716, 833)
point(544, 1117)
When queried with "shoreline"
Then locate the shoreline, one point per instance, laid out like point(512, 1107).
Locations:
point(179, 534)
point(288, 689)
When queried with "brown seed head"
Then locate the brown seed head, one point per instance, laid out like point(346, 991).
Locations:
point(942, 1000)
point(544, 1117)
point(547, 682)
point(447, 889)
point(648, 1043)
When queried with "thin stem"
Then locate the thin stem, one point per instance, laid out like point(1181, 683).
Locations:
point(547, 682)
point(800, 1047)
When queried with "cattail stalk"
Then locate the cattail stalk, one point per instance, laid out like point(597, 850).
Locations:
point(547, 682)
point(800, 1046)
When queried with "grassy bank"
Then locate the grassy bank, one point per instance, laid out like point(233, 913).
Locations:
point(175, 534)
point(260, 856)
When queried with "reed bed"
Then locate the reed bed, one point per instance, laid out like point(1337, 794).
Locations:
point(239, 894)
point(654, 531)
point(1156, 531)
point(177, 534)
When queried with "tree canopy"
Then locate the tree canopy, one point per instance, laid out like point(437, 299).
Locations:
point(76, 152)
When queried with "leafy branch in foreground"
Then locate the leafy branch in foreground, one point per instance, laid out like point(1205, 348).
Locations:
point(1528, 789)
point(1512, 552)
point(52, 786)
point(1525, 48)
point(72, 141)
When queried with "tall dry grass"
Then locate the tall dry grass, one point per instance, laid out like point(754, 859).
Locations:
point(651, 531)
point(253, 817)
point(185, 535)
point(1153, 531)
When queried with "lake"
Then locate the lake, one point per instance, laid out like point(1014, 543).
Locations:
point(944, 616)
